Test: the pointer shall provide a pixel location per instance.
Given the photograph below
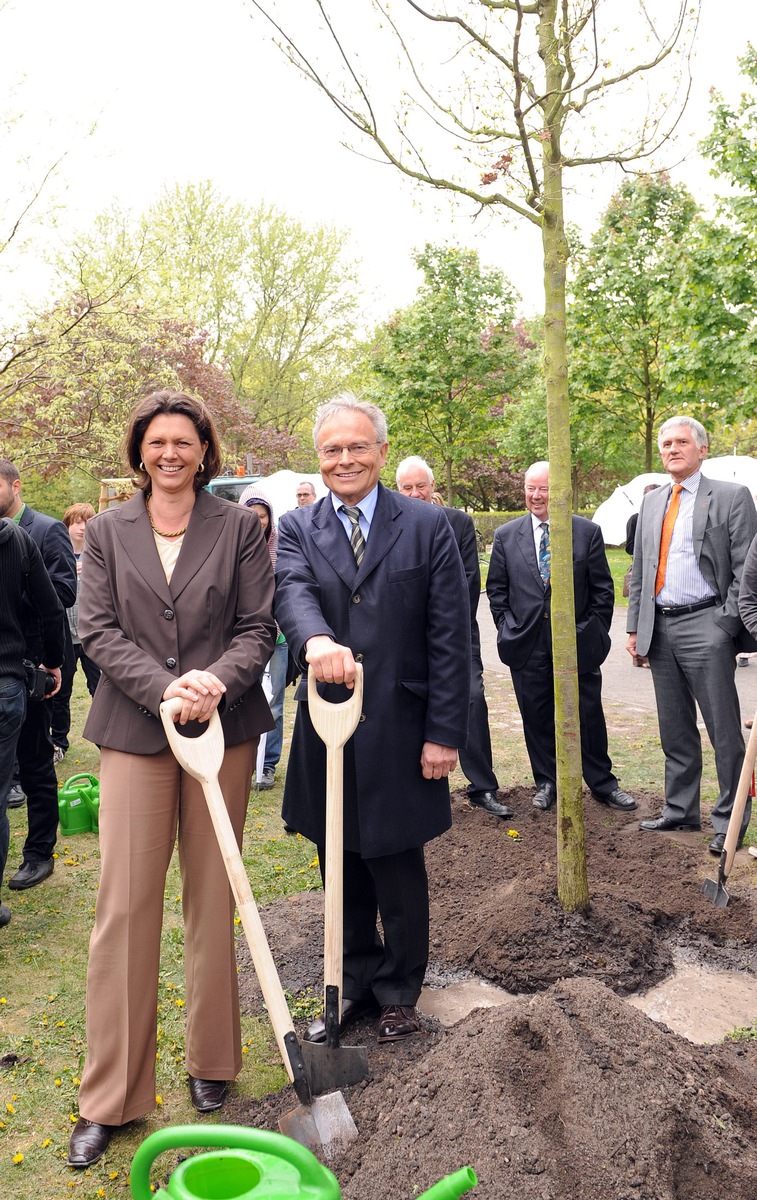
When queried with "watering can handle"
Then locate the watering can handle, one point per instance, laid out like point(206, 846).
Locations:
point(237, 1137)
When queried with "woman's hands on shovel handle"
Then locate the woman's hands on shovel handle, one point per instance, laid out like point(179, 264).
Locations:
point(201, 692)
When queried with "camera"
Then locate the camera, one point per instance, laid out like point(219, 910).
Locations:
point(39, 683)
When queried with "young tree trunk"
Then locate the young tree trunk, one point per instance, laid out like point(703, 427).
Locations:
point(572, 883)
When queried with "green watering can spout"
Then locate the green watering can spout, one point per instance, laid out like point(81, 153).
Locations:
point(452, 1186)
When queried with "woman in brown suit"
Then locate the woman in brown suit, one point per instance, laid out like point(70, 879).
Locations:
point(176, 600)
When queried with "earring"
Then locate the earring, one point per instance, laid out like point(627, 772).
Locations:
point(141, 465)
point(201, 466)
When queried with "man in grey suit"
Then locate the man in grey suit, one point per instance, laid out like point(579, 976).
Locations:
point(691, 542)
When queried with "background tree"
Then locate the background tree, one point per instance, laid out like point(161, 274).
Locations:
point(501, 92)
point(278, 299)
point(440, 366)
point(625, 316)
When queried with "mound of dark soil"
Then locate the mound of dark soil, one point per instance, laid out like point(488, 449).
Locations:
point(568, 1091)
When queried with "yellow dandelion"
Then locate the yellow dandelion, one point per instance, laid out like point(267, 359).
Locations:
point(100, 1192)
point(18, 1158)
point(72, 1117)
point(9, 1108)
point(47, 1142)
point(3, 1000)
point(237, 920)
point(113, 1175)
point(76, 1080)
point(513, 833)
point(2, 1124)
point(179, 1003)
point(158, 1099)
point(59, 1024)
point(58, 1082)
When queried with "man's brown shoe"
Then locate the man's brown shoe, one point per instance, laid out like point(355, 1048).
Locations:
point(207, 1094)
point(397, 1022)
point(352, 1011)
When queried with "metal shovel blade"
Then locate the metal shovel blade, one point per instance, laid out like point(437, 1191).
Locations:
point(329, 1068)
point(325, 1125)
point(715, 889)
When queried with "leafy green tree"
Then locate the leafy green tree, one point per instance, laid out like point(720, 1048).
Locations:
point(440, 366)
point(625, 315)
point(277, 299)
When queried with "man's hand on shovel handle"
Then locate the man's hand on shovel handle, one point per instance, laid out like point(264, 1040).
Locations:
point(330, 662)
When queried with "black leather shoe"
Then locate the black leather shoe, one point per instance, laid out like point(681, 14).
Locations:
point(352, 1011)
point(30, 873)
point(16, 797)
point(545, 796)
point(88, 1143)
point(617, 799)
point(207, 1094)
point(397, 1022)
point(665, 825)
point(489, 802)
point(717, 845)
point(5, 915)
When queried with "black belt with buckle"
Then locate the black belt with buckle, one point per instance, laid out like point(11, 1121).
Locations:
point(680, 610)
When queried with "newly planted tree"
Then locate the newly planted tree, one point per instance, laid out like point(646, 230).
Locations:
point(492, 100)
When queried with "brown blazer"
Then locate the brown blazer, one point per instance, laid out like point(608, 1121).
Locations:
point(216, 615)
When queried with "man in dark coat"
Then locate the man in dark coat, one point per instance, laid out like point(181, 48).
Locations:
point(25, 583)
point(519, 590)
point(35, 747)
point(415, 478)
point(366, 575)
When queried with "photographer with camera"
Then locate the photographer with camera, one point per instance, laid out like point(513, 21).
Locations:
point(25, 586)
point(35, 747)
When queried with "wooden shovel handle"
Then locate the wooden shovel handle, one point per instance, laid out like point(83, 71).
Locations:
point(199, 757)
point(334, 724)
point(740, 799)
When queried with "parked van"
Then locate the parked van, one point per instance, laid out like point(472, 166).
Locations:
point(230, 487)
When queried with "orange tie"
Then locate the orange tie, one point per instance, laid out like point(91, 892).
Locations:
point(667, 533)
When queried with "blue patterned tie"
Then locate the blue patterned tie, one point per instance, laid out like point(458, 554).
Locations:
point(357, 541)
point(544, 552)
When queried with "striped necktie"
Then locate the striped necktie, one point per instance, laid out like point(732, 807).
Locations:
point(357, 541)
point(667, 534)
point(544, 553)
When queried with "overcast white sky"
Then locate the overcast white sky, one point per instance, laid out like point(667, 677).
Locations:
point(185, 90)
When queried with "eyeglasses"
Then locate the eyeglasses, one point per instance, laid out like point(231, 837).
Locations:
point(303, 495)
point(355, 450)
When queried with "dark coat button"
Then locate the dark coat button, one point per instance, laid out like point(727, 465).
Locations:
point(170, 662)
point(356, 599)
point(358, 658)
point(362, 716)
point(168, 614)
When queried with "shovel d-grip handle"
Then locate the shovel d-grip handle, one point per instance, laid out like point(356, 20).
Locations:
point(236, 1137)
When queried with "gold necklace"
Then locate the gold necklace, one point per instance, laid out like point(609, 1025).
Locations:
point(161, 532)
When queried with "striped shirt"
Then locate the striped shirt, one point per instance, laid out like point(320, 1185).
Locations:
point(684, 582)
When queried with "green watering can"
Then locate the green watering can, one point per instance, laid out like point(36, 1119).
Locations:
point(79, 805)
point(252, 1164)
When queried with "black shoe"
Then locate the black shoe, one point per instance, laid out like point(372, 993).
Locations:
point(207, 1094)
point(717, 845)
point(489, 802)
point(352, 1011)
point(617, 799)
point(30, 873)
point(5, 915)
point(544, 796)
point(666, 825)
point(16, 797)
point(88, 1143)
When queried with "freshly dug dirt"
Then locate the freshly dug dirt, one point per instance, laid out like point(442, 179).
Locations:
point(568, 1092)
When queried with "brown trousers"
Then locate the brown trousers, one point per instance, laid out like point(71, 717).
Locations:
point(144, 801)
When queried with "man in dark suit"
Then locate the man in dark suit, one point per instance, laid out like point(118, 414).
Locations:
point(415, 478)
point(692, 540)
point(35, 747)
point(366, 575)
point(519, 592)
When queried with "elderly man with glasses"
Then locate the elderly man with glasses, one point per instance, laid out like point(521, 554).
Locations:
point(370, 576)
